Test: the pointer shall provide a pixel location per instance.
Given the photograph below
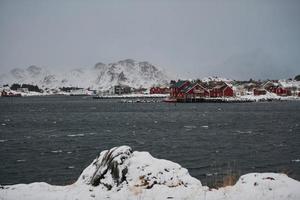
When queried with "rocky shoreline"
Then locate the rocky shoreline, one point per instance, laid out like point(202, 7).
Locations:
point(120, 173)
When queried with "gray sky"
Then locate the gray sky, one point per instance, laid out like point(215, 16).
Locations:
point(238, 39)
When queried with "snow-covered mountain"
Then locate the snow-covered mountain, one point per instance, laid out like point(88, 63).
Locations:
point(101, 76)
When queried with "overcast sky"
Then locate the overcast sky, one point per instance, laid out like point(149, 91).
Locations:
point(238, 39)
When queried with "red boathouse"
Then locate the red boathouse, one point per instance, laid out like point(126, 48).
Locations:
point(281, 91)
point(222, 90)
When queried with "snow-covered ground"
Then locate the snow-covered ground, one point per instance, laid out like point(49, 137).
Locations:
point(136, 96)
point(250, 97)
point(48, 93)
point(268, 96)
point(289, 83)
point(120, 173)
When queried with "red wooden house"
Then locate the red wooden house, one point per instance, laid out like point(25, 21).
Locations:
point(222, 90)
point(185, 91)
point(195, 90)
point(270, 86)
point(281, 91)
point(259, 91)
point(176, 88)
point(159, 90)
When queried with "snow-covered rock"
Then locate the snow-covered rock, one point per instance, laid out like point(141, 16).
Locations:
point(120, 173)
point(101, 77)
point(120, 167)
point(263, 186)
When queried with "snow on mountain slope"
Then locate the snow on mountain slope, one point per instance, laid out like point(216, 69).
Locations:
point(120, 173)
point(101, 76)
point(215, 78)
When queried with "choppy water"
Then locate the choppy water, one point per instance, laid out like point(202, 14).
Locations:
point(53, 139)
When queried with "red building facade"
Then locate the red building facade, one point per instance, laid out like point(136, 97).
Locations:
point(281, 91)
point(221, 91)
point(159, 90)
point(195, 90)
point(175, 89)
point(187, 91)
point(259, 91)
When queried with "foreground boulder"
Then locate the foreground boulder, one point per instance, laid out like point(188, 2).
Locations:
point(120, 167)
point(120, 173)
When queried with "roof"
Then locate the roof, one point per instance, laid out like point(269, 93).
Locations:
point(178, 84)
point(191, 86)
point(259, 89)
point(219, 86)
point(272, 83)
point(215, 84)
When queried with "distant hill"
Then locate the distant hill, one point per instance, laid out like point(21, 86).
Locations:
point(101, 76)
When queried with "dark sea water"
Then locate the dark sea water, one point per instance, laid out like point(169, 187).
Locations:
point(53, 139)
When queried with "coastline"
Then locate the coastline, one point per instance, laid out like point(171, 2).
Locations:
point(120, 173)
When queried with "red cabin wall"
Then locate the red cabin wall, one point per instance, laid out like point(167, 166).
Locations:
point(205, 93)
point(259, 92)
point(158, 90)
point(175, 91)
point(283, 92)
point(216, 92)
point(228, 92)
point(219, 92)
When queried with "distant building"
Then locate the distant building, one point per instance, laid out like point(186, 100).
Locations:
point(239, 90)
point(186, 91)
point(281, 91)
point(270, 86)
point(251, 86)
point(195, 90)
point(10, 94)
point(221, 90)
point(159, 90)
point(259, 91)
point(139, 90)
point(176, 87)
point(122, 89)
point(25, 90)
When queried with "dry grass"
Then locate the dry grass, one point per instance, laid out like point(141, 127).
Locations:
point(223, 178)
point(287, 172)
point(229, 180)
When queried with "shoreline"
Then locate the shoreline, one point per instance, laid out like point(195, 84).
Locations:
point(120, 173)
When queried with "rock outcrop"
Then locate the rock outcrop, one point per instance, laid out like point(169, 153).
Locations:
point(121, 167)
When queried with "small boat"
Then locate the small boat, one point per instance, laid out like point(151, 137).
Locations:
point(169, 100)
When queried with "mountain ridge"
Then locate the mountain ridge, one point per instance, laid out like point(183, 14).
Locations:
point(100, 77)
